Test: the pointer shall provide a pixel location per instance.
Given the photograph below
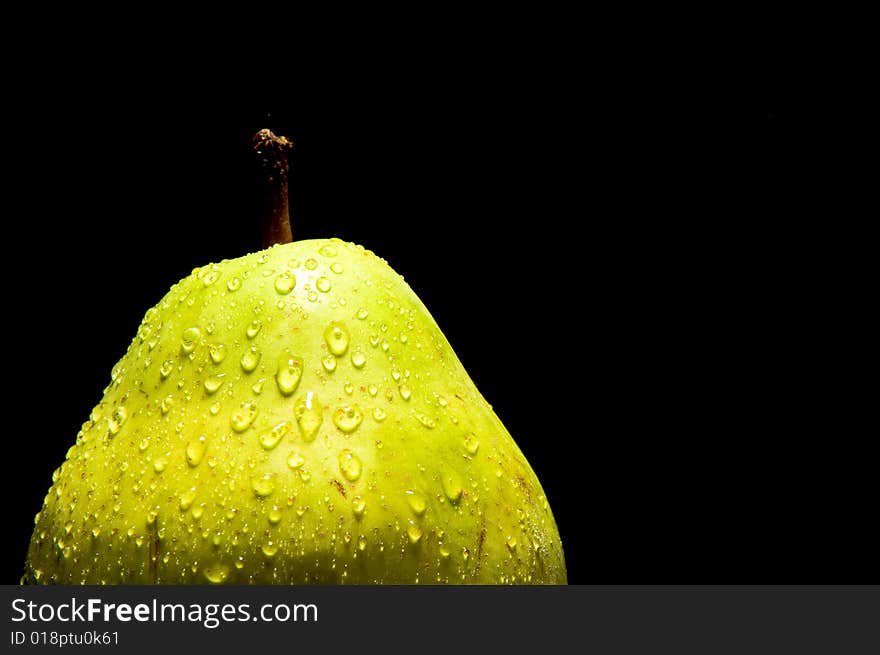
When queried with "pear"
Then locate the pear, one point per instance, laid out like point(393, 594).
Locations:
point(293, 416)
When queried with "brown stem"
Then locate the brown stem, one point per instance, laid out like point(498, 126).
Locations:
point(274, 169)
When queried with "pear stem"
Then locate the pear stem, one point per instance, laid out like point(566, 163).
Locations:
point(271, 153)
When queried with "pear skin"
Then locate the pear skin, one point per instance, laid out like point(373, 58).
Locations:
point(294, 416)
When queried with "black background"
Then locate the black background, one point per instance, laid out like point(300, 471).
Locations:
point(582, 253)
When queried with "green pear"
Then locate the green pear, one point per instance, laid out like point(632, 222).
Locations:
point(294, 416)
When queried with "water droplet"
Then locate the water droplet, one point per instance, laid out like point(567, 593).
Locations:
point(511, 543)
point(312, 296)
point(428, 421)
point(250, 359)
point(197, 511)
point(358, 505)
point(263, 486)
point(234, 284)
point(358, 359)
point(214, 409)
point(257, 387)
point(373, 389)
point(195, 451)
point(187, 498)
point(285, 282)
point(328, 250)
point(452, 485)
point(144, 444)
point(416, 502)
point(348, 418)
point(385, 345)
point(275, 515)
point(414, 533)
point(289, 374)
point(216, 573)
point(379, 414)
point(311, 263)
point(213, 383)
point(114, 423)
point(349, 388)
point(329, 363)
point(295, 460)
point(271, 438)
point(349, 465)
point(465, 553)
point(189, 340)
point(309, 415)
point(254, 328)
point(159, 464)
point(304, 475)
point(144, 332)
point(337, 337)
point(218, 352)
point(293, 263)
point(362, 543)
point(242, 419)
point(211, 277)
point(405, 393)
point(336, 267)
point(362, 314)
point(166, 368)
point(323, 284)
point(403, 338)
point(471, 444)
